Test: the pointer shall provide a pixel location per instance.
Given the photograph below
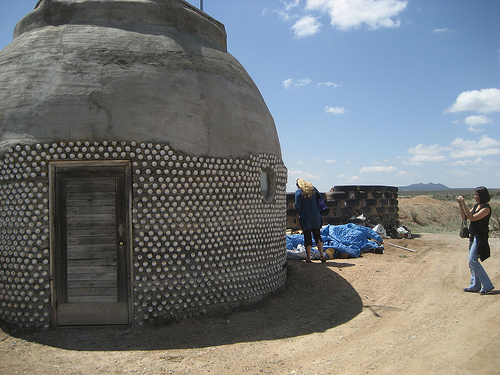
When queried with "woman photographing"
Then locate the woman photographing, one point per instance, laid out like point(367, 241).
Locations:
point(479, 248)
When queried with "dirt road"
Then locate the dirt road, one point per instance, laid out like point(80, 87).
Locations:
point(400, 312)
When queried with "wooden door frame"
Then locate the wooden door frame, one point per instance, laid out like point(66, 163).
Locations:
point(53, 166)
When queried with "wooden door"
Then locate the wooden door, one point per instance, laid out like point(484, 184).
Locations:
point(91, 246)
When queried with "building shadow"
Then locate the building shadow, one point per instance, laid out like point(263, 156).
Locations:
point(314, 299)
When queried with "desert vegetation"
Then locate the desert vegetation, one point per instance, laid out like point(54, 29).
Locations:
point(437, 211)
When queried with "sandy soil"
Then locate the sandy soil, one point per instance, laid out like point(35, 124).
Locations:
point(400, 312)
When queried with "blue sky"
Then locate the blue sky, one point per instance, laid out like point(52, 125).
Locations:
point(364, 92)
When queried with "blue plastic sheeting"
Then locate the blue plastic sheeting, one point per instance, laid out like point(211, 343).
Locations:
point(348, 239)
point(293, 241)
point(299, 253)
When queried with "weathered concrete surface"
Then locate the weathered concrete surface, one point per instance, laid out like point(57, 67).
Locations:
point(142, 70)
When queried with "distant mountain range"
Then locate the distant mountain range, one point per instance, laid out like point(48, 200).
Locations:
point(424, 187)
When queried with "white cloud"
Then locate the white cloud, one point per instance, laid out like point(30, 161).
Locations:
point(289, 5)
point(473, 129)
point(330, 161)
point(477, 120)
point(290, 83)
point(327, 84)
point(335, 110)
point(293, 174)
point(285, 16)
point(287, 83)
point(458, 172)
point(304, 82)
point(476, 162)
point(443, 30)
point(377, 168)
point(348, 14)
point(348, 179)
point(306, 26)
point(405, 174)
point(459, 148)
point(481, 101)
point(422, 153)
point(486, 146)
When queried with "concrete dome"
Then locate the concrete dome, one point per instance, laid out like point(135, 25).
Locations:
point(140, 170)
point(141, 70)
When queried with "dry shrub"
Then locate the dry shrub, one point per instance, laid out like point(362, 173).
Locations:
point(425, 211)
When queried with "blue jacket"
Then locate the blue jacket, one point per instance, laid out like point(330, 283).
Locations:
point(308, 211)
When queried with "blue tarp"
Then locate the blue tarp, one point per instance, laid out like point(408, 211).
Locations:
point(348, 239)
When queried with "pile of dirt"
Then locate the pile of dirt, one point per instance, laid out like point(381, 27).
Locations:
point(426, 211)
point(419, 199)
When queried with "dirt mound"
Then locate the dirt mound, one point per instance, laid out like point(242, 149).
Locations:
point(419, 199)
point(426, 211)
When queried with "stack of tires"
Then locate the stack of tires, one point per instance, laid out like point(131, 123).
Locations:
point(346, 203)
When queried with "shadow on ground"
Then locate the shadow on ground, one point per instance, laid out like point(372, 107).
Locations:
point(314, 299)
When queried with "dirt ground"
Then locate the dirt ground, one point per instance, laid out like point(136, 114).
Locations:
point(400, 312)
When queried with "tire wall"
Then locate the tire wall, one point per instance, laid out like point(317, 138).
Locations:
point(378, 204)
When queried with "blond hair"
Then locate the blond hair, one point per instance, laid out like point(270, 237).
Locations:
point(306, 187)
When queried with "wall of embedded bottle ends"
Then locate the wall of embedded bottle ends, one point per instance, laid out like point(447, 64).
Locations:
point(345, 203)
point(203, 236)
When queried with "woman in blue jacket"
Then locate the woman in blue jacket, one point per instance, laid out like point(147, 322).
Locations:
point(479, 249)
point(310, 220)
